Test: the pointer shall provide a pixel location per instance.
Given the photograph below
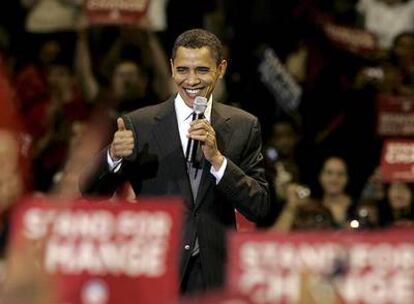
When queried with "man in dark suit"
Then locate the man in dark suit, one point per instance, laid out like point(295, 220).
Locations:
point(230, 175)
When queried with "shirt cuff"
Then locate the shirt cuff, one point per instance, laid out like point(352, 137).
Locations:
point(114, 165)
point(218, 174)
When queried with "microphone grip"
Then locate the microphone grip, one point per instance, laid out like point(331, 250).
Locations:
point(192, 145)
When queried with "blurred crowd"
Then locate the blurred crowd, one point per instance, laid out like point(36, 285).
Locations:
point(63, 82)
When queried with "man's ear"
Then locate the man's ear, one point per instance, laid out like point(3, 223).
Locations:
point(222, 67)
point(172, 67)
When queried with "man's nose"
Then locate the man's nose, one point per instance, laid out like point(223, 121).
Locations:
point(193, 78)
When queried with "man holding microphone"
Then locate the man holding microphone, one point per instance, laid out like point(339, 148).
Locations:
point(149, 150)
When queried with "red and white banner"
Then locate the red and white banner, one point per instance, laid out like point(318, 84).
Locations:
point(351, 39)
point(395, 116)
point(103, 252)
point(323, 267)
point(115, 11)
point(397, 161)
point(219, 297)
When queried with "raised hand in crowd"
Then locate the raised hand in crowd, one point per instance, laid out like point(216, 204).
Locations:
point(296, 197)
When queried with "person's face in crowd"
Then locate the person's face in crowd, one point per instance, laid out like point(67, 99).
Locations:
point(334, 176)
point(404, 49)
point(284, 139)
point(128, 81)
point(49, 51)
point(399, 196)
point(195, 72)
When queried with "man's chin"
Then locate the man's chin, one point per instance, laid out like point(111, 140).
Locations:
point(189, 100)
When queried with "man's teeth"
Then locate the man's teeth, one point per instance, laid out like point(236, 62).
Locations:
point(192, 92)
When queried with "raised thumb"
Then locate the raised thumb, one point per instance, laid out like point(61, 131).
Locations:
point(121, 124)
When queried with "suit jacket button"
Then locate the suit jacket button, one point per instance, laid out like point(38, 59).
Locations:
point(187, 247)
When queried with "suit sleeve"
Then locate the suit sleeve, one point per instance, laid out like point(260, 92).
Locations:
point(245, 185)
point(98, 179)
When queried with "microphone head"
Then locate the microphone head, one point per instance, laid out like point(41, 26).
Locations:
point(200, 104)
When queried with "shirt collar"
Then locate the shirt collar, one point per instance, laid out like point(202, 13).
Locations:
point(183, 111)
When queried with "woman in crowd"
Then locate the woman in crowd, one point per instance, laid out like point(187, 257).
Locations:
point(399, 200)
point(333, 180)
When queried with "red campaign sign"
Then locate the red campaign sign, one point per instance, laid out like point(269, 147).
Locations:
point(395, 116)
point(352, 39)
point(115, 11)
point(323, 267)
point(217, 297)
point(102, 252)
point(397, 161)
point(243, 224)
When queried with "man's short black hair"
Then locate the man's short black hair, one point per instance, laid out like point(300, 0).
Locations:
point(198, 38)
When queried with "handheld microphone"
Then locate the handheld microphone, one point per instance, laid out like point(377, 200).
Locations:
point(199, 107)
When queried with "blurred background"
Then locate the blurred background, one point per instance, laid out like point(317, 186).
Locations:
point(330, 80)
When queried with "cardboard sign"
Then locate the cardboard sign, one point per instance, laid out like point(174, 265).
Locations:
point(115, 11)
point(323, 267)
point(397, 161)
point(351, 39)
point(103, 252)
point(395, 116)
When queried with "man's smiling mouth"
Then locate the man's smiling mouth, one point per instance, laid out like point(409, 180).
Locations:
point(193, 92)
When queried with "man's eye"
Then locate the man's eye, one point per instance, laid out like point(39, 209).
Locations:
point(203, 70)
point(181, 70)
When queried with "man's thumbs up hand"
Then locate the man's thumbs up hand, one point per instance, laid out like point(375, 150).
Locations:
point(121, 124)
point(123, 143)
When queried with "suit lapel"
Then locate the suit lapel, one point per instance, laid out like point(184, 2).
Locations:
point(219, 121)
point(168, 139)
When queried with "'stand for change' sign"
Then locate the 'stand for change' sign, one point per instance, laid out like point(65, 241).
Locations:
point(397, 162)
point(326, 267)
point(104, 252)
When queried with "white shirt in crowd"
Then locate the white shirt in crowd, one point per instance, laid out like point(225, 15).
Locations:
point(387, 21)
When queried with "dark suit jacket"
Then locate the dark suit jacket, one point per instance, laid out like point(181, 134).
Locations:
point(160, 169)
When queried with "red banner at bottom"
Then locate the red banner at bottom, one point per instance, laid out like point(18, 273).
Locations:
point(97, 252)
point(364, 268)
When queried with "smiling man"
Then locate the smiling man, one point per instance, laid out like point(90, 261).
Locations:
point(148, 150)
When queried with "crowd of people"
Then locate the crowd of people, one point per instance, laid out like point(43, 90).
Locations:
point(64, 82)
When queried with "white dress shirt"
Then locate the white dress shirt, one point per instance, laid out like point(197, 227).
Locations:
point(184, 118)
